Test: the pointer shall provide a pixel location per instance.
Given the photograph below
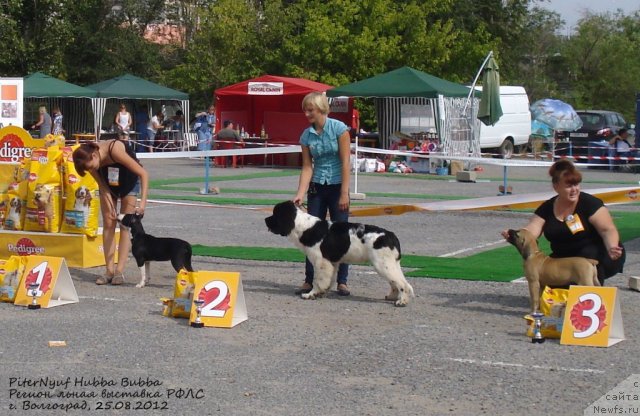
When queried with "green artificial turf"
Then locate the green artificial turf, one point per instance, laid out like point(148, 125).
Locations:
point(502, 264)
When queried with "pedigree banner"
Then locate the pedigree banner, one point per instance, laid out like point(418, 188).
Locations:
point(16, 143)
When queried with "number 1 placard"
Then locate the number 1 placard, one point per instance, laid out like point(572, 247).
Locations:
point(55, 286)
point(592, 317)
point(223, 297)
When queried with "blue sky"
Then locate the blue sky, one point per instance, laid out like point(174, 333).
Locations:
point(572, 10)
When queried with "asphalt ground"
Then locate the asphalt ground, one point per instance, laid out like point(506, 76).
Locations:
point(458, 348)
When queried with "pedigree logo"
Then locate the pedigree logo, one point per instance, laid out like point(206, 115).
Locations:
point(73, 179)
point(16, 144)
point(12, 149)
point(632, 195)
point(25, 247)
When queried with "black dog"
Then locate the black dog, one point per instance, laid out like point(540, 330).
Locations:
point(146, 248)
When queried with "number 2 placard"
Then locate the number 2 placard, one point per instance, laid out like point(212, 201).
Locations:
point(592, 317)
point(223, 297)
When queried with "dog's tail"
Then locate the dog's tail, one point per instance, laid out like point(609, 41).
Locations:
point(187, 265)
point(187, 260)
point(594, 270)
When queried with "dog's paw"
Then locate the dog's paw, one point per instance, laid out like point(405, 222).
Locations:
point(402, 302)
point(140, 285)
point(392, 296)
point(308, 296)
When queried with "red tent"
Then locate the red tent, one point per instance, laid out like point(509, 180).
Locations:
point(273, 102)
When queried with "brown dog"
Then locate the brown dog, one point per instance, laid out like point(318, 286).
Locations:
point(542, 270)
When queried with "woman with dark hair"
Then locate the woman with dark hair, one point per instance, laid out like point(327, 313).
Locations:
point(121, 178)
point(576, 223)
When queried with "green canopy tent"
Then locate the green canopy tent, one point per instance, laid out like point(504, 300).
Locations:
point(400, 92)
point(39, 85)
point(401, 82)
point(130, 87)
point(41, 88)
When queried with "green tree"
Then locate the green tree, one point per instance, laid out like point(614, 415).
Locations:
point(222, 52)
point(542, 67)
point(603, 62)
point(34, 35)
point(102, 45)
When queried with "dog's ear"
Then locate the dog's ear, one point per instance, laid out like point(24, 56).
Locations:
point(524, 241)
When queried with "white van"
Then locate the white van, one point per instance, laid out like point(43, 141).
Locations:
point(513, 128)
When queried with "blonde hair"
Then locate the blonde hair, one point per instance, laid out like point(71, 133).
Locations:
point(318, 100)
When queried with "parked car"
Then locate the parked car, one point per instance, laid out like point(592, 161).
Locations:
point(597, 125)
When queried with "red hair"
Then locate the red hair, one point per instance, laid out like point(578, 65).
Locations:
point(564, 169)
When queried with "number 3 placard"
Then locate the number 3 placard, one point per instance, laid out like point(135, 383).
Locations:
point(223, 297)
point(592, 317)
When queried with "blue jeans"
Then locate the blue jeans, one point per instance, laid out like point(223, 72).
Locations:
point(320, 199)
point(204, 140)
point(151, 138)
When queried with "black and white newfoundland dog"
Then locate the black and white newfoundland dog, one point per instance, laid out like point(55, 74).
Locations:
point(327, 244)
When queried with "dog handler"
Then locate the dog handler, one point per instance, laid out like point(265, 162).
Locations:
point(577, 224)
point(324, 178)
point(120, 177)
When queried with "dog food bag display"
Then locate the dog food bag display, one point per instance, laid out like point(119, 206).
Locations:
point(183, 294)
point(167, 306)
point(553, 303)
point(11, 272)
point(82, 202)
point(51, 140)
point(4, 202)
point(7, 175)
point(43, 196)
point(15, 206)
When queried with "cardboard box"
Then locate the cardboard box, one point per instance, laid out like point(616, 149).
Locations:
point(466, 176)
point(456, 166)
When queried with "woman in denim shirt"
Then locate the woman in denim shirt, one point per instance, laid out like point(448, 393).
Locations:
point(325, 174)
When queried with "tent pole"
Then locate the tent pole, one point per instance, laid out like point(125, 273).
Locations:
point(355, 194)
point(205, 190)
point(475, 80)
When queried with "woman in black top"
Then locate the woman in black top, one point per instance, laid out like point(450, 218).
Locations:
point(577, 224)
point(121, 178)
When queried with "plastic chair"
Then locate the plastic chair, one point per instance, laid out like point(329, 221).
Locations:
point(189, 140)
point(222, 160)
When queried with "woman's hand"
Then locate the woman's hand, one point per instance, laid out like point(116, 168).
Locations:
point(140, 211)
point(343, 202)
point(615, 252)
